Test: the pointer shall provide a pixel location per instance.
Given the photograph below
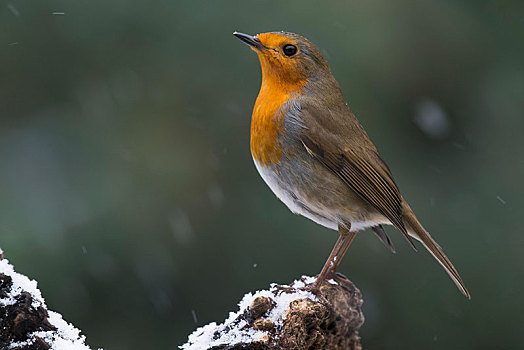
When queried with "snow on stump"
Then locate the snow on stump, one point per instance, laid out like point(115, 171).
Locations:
point(25, 322)
point(289, 317)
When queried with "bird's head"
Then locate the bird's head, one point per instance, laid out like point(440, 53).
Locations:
point(287, 57)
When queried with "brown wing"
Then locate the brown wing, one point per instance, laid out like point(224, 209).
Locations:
point(373, 183)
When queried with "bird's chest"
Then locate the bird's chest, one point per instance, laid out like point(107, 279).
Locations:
point(267, 127)
point(283, 186)
point(295, 183)
point(271, 144)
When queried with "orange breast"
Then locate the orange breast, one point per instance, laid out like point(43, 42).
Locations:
point(267, 122)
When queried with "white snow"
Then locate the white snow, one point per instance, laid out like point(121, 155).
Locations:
point(20, 284)
point(233, 331)
point(66, 337)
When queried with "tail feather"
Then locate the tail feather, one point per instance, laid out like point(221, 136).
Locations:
point(379, 231)
point(416, 230)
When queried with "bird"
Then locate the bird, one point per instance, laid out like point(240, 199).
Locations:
point(316, 157)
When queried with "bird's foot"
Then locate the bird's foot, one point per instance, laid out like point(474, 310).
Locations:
point(339, 278)
point(343, 281)
point(331, 276)
point(287, 289)
point(305, 287)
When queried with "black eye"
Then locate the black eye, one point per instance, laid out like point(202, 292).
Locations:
point(289, 50)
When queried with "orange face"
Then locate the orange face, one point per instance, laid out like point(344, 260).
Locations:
point(280, 59)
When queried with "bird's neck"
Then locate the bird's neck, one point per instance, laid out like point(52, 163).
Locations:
point(267, 122)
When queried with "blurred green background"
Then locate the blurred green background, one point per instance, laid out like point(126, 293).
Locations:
point(128, 190)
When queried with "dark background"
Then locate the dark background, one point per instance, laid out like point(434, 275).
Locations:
point(128, 190)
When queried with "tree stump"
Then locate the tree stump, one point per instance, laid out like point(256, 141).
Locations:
point(289, 317)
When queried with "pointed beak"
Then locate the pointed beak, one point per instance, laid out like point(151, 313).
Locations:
point(250, 40)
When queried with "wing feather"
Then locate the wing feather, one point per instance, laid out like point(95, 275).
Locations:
point(372, 181)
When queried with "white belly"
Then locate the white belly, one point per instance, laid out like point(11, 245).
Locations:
point(296, 203)
point(291, 198)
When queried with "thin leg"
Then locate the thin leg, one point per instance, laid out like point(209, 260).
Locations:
point(343, 250)
point(343, 233)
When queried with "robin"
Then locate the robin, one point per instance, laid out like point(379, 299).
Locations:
point(315, 156)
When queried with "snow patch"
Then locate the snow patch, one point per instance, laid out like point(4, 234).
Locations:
point(235, 329)
point(20, 284)
point(66, 337)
